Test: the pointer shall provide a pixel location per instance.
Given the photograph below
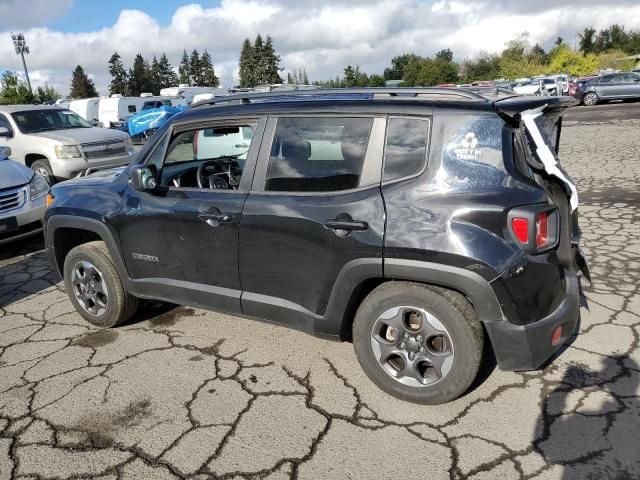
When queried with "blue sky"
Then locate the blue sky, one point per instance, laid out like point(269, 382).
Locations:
point(321, 36)
point(89, 15)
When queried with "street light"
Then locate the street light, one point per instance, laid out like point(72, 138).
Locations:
point(21, 48)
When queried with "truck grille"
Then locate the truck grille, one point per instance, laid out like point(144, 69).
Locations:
point(103, 149)
point(12, 199)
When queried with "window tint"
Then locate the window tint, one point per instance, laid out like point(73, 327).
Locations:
point(317, 154)
point(406, 147)
point(608, 79)
point(132, 108)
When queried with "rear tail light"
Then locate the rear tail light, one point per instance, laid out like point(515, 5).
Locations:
point(535, 228)
point(520, 228)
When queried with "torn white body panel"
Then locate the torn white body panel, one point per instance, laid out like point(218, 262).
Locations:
point(545, 154)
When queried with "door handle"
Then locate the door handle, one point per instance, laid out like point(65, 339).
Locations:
point(346, 225)
point(215, 219)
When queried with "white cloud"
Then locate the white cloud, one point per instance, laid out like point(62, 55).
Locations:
point(321, 35)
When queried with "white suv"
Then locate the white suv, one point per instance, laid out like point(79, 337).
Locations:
point(58, 143)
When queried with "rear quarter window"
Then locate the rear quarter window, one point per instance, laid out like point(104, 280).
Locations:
point(405, 147)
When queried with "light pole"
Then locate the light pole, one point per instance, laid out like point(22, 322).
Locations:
point(21, 48)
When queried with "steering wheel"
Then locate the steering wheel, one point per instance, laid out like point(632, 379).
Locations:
point(211, 180)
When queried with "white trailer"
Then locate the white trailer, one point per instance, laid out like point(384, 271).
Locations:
point(87, 108)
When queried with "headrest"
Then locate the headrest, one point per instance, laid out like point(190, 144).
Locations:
point(298, 149)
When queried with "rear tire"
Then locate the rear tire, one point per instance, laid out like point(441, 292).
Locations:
point(42, 167)
point(433, 353)
point(590, 99)
point(95, 288)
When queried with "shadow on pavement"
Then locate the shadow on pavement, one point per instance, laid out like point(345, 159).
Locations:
point(24, 270)
point(590, 422)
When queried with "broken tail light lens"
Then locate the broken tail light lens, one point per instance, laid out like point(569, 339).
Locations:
point(542, 229)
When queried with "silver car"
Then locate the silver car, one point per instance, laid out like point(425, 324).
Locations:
point(58, 143)
point(23, 199)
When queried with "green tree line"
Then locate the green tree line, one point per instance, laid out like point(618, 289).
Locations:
point(143, 76)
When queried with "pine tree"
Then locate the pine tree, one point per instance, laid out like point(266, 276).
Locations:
point(166, 74)
point(81, 85)
point(183, 69)
point(207, 71)
point(257, 62)
point(195, 69)
point(305, 78)
point(290, 79)
point(139, 76)
point(154, 76)
point(119, 80)
point(271, 62)
point(246, 66)
point(14, 91)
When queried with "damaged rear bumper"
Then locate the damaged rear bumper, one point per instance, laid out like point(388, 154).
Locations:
point(527, 347)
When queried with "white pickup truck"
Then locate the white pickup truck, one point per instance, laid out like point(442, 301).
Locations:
point(59, 144)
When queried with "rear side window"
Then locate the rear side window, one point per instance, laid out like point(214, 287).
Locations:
point(131, 108)
point(406, 147)
point(317, 154)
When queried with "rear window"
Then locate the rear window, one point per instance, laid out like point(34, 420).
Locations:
point(406, 147)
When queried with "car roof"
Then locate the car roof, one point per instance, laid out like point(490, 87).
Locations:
point(24, 108)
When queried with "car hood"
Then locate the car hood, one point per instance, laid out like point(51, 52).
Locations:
point(100, 177)
point(13, 174)
point(75, 136)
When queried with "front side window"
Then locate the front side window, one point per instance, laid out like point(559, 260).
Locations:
point(406, 147)
point(211, 157)
point(317, 154)
point(34, 121)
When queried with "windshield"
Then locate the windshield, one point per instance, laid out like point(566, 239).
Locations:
point(33, 121)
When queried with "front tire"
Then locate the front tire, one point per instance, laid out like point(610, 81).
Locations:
point(95, 288)
point(590, 99)
point(42, 167)
point(417, 342)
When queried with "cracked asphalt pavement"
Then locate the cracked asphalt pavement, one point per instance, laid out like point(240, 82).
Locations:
point(185, 393)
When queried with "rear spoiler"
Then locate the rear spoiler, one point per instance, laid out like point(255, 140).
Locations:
point(510, 108)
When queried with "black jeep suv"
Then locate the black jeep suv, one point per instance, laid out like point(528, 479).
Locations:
point(425, 225)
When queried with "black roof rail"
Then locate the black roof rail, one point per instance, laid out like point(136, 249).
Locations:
point(377, 92)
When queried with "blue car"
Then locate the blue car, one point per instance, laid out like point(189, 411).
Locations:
point(23, 199)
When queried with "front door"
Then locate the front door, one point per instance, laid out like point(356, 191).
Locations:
point(315, 206)
point(181, 241)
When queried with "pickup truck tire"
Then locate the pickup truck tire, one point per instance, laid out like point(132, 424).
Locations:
point(94, 286)
point(418, 342)
point(43, 168)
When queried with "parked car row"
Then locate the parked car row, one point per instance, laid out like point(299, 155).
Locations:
point(612, 86)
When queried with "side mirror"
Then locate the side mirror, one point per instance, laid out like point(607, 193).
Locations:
point(5, 132)
point(144, 178)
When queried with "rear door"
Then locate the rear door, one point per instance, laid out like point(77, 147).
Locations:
point(315, 208)
point(630, 85)
point(609, 86)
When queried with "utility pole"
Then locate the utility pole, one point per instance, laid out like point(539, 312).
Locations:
point(21, 48)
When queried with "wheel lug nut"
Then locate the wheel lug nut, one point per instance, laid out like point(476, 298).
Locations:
point(402, 345)
point(406, 335)
point(419, 338)
point(421, 350)
point(412, 356)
